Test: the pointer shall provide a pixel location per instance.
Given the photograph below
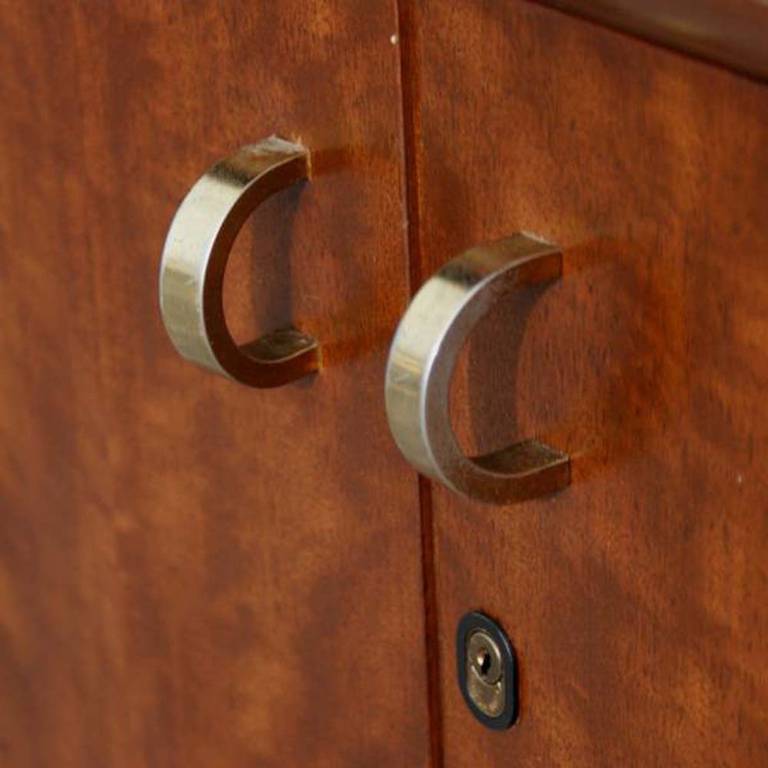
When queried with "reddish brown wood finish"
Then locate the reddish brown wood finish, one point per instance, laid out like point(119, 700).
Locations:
point(638, 598)
point(728, 32)
point(193, 573)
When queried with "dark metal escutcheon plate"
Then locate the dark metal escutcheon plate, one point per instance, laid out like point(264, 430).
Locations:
point(487, 671)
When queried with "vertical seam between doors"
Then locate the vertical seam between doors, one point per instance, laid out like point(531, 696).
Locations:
point(407, 38)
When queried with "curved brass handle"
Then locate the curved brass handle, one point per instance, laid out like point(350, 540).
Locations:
point(195, 256)
point(423, 356)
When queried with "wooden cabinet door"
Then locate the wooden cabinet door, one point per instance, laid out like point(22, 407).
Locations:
point(192, 572)
point(637, 599)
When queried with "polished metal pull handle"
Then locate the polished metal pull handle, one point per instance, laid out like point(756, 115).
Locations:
point(195, 257)
point(423, 356)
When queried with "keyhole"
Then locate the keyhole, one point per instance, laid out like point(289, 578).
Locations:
point(487, 671)
point(483, 661)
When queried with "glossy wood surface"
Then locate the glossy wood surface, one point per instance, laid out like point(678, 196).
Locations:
point(637, 599)
point(728, 32)
point(194, 573)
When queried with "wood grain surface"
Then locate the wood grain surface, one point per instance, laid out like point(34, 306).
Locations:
point(728, 32)
point(638, 598)
point(193, 573)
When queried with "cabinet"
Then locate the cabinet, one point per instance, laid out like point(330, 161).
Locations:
point(194, 572)
point(633, 597)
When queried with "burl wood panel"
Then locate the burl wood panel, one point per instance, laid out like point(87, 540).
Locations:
point(193, 573)
point(638, 598)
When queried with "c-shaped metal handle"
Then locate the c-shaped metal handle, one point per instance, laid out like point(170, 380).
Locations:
point(195, 256)
point(423, 356)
